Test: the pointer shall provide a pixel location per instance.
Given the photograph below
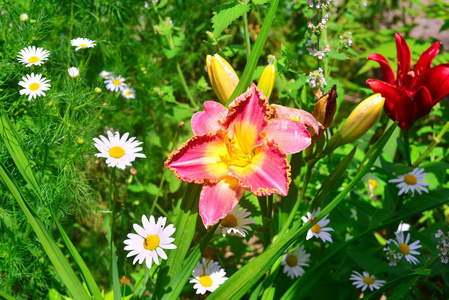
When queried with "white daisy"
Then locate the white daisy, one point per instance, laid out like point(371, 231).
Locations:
point(23, 17)
point(119, 152)
point(128, 93)
point(82, 43)
point(405, 249)
point(34, 85)
point(33, 56)
point(318, 230)
point(150, 241)
point(412, 181)
point(236, 221)
point(292, 262)
point(73, 72)
point(207, 276)
point(115, 83)
point(106, 74)
point(366, 280)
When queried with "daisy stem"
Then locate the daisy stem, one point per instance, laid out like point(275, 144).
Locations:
point(407, 146)
point(432, 145)
point(112, 204)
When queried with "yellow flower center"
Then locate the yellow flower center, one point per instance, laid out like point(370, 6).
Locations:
point(237, 156)
point(316, 228)
point(410, 179)
point(291, 260)
point(404, 248)
point(33, 59)
point(82, 45)
point(116, 82)
point(34, 86)
point(368, 280)
point(206, 281)
point(151, 242)
point(116, 152)
point(229, 221)
point(128, 93)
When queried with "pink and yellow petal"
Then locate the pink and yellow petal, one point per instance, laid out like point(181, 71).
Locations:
point(200, 158)
point(306, 118)
point(207, 121)
point(290, 135)
point(218, 199)
point(248, 118)
point(267, 174)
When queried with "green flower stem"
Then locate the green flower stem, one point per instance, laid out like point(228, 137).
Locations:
point(247, 40)
point(407, 147)
point(432, 145)
point(265, 220)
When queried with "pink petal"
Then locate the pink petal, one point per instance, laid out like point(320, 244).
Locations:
point(207, 121)
point(387, 71)
point(248, 118)
point(425, 60)
point(268, 172)
point(306, 118)
point(218, 199)
point(200, 158)
point(404, 59)
point(436, 80)
point(290, 135)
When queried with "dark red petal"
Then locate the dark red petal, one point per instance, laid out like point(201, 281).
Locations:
point(404, 59)
point(423, 100)
point(436, 80)
point(388, 91)
point(425, 60)
point(387, 71)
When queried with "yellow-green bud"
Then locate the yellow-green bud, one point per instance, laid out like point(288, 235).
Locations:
point(97, 90)
point(267, 80)
point(222, 77)
point(361, 119)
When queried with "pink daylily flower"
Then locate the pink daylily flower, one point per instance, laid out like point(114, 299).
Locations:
point(237, 150)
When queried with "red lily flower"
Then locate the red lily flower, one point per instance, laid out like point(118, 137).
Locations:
point(414, 92)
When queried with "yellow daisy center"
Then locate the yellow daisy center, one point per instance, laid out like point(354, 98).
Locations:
point(316, 228)
point(229, 221)
point(368, 280)
point(128, 93)
point(33, 59)
point(82, 45)
point(116, 82)
point(34, 86)
point(410, 179)
point(151, 242)
point(291, 260)
point(404, 248)
point(116, 152)
point(206, 281)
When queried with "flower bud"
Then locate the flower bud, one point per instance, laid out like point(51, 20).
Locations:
point(361, 119)
point(222, 77)
point(267, 80)
point(324, 111)
point(73, 72)
point(23, 17)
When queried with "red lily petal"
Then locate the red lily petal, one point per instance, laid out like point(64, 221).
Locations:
point(387, 71)
point(425, 60)
point(218, 199)
point(436, 80)
point(248, 118)
point(306, 118)
point(404, 59)
point(423, 99)
point(207, 121)
point(290, 135)
point(389, 92)
point(200, 158)
point(268, 172)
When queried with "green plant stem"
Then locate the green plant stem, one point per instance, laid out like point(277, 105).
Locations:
point(432, 145)
point(407, 147)
point(265, 220)
point(186, 88)
point(247, 40)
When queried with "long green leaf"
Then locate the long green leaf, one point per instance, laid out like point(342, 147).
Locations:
point(185, 229)
point(245, 79)
point(115, 276)
point(6, 296)
point(58, 260)
point(93, 287)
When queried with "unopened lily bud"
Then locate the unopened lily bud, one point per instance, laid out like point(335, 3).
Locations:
point(325, 107)
point(267, 80)
point(361, 119)
point(222, 77)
